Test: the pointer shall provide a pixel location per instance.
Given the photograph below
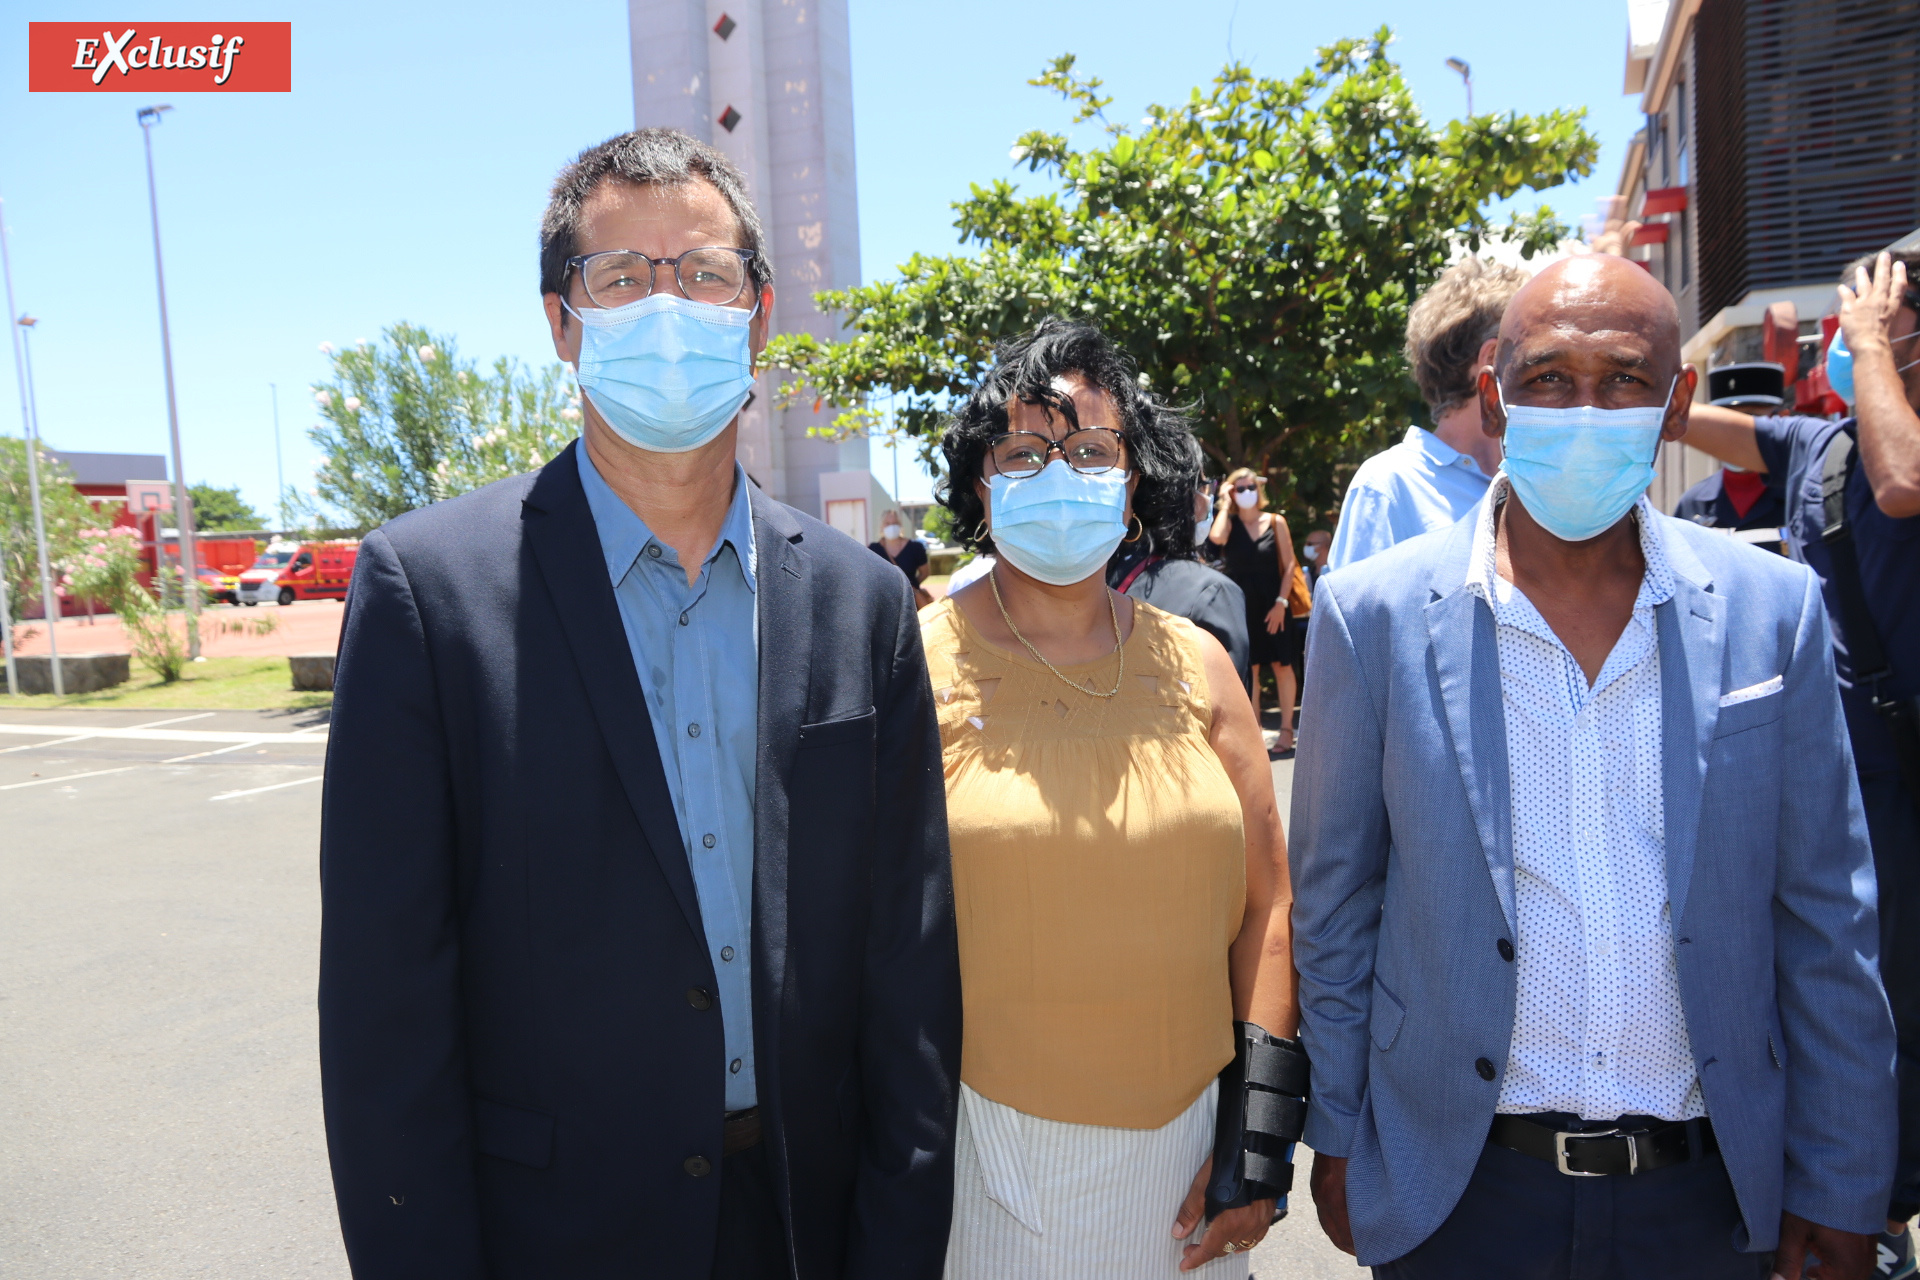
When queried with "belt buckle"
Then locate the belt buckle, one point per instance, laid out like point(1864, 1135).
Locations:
point(1560, 1151)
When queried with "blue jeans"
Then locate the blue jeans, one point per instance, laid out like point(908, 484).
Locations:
point(1522, 1219)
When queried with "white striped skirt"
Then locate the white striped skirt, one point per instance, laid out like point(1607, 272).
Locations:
point(1038, 1199)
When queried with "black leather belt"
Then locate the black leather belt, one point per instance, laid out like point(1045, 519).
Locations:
point(1632, 1144)
point(741, 1130)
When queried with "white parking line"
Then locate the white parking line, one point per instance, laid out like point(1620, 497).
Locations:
point(93, 733)
point(69, 777)
point(217, 751)
point(254, 791)
point(155, 724)
point(140, 734)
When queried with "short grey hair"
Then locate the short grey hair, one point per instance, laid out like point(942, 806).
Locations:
point(645, 157)
point(1451, 322)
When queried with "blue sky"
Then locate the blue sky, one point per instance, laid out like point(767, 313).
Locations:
point(404, 176)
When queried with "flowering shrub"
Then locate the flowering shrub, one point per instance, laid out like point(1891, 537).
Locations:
point(107, 567)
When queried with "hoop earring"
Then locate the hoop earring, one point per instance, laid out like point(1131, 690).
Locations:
point(981, 530)
point(1143, 529)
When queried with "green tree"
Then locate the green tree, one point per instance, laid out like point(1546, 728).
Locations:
point(66, 512)
point(215, 509)
point(408, 422)
point(1255, 249)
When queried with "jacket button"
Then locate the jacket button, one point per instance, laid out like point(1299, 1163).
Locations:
point(1484, 1067)
point(1506, 949)
point(698, 998)
point(697, 1166)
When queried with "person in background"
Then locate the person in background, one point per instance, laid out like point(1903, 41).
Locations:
point(1257, 552)
point(637, 954)
point(905, 552)
point(1313, 554)
point(1869, 570)
point(1119, 866)
point(1175, 580)
point(1313, 566)
point(1749, 504)
point(1432, 478)
point(1586, 932)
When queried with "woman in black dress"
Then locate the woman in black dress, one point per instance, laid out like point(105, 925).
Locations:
point(909, 555)
point(1259, 557)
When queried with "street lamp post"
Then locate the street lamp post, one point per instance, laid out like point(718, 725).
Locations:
point(23, 373)
point(49, 602)
point(1466, 75)
point(279, 465)
point(182, 509)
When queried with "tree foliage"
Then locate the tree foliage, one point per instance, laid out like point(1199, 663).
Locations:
point(216, 509)
point(67, 513)
point(408, 422)
point(1255, 249)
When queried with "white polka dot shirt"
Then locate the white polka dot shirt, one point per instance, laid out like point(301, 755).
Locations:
point(1598, 1027)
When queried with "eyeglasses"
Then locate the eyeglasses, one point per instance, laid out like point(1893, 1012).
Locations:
point(1090, 451)
point(618, 276)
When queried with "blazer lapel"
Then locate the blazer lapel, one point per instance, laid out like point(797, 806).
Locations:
point(1466, 657)
point(784, 601)
point(1692, 637)
point(566, 544)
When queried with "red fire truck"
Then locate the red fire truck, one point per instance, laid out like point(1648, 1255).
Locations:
point(319, 571)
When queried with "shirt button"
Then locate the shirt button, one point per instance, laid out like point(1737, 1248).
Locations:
point(653, 549)
point(1505, 948)
point(693, 731)
point(726, 953)
point(683, 619)
point(697, 1166)
point(699, 998)
point(1484, 1067)
point(707, 840)
point(734, 1066)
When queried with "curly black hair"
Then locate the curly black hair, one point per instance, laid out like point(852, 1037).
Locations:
point(1160, 446)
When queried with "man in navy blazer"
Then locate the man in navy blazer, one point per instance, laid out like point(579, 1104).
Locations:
point(638, 954)
point(1584, 910)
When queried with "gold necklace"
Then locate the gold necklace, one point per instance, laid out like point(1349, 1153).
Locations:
point(1119, 646)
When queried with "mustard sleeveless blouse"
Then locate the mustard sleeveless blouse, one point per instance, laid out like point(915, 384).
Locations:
point(1099, 873)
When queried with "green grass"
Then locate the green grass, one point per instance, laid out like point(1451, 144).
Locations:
point(218, 684)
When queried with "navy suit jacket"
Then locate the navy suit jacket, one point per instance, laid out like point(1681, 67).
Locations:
point(521, 1055)
point(1403, 881)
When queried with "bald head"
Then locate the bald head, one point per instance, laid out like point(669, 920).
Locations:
point(1594, 330)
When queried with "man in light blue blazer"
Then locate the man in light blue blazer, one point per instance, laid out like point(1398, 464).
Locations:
point(1584, 910)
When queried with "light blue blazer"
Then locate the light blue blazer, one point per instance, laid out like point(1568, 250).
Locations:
point(1402, 858)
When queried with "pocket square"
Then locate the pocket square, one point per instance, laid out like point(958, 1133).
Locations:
point(1752, 691)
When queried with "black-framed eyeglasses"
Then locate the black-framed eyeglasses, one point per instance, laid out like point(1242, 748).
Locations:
point(1090, 451)
point(615, 277)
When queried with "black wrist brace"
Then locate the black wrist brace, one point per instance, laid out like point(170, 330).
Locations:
point(1262, 1111)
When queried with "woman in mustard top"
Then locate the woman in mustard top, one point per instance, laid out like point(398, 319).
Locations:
point(1120, 876)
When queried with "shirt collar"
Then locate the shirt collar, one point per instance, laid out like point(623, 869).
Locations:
point(624, 536)
point(1656, 585)
point(1438, 451)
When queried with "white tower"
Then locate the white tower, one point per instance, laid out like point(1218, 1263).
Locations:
point(769, 83)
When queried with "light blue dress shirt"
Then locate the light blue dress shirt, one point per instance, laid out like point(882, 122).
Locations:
point(1418, 485)
point(697, 651)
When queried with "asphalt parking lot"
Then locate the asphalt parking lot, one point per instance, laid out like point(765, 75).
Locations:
point(159, 929)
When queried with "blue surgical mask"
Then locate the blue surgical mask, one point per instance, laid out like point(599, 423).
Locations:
point(1578, 470)
point(667, 373)
point(1840, 365)
point(1058, 526)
